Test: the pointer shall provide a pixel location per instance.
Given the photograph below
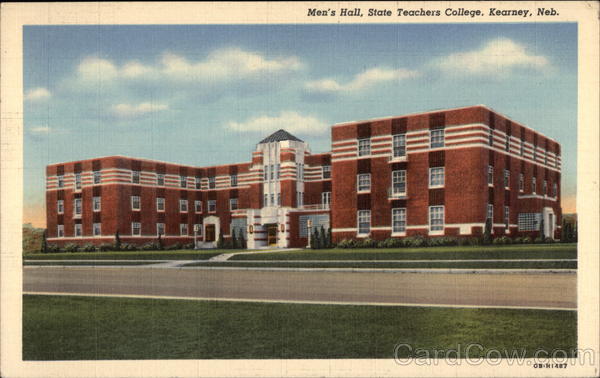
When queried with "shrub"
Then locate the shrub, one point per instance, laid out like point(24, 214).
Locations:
point(117, 241)
point(128, 247)
point(538, 240)
point(242, 240)
point(346, 243)
point(366, 243)
point(105, 247)
point(549, 240)
point(502, 240)
point(518, 240)
point(527, 240)
point(415, 241)
point(487, 232)
point(442, 241)
point(189, 246)
point(89, 247)
point(149, 246)
point(52, 248)
point(71, 247)
point(173, 247)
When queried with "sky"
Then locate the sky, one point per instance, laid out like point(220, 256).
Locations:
point(206, 94)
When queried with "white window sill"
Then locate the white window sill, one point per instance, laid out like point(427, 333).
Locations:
point(436, 187)
point(490, 185)
point(401, 233)
point(398, 158)
point(362, 235)
point(160, 211)
point(183, 211)
point(363, 191)
point(436, 233)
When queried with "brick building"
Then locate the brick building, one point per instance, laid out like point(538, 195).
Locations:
point(433, 174)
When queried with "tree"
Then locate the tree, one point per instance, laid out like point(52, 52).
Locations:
point(234, 242)
point(314, 239)
point(487, 233)
point(44, 247)
point(221, 241)
point(242, 240)
point(117, 242)
point(329, 239)
point(160, 242)
point(322, 238)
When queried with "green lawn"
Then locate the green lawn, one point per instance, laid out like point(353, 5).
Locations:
point(87, 263)
point(394, 265)
point(132, 255)
point(86, 328)
point(528, 251)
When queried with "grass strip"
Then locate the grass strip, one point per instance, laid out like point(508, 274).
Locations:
point(545, 251)
point(88, 263)
point(130, 255)
point(96, 328)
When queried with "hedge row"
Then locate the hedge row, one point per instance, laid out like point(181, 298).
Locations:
point(422, 241)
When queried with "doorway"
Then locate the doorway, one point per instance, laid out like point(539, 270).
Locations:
point(209, 233)
point(271, 235)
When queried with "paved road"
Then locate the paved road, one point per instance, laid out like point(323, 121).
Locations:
point(515, 289)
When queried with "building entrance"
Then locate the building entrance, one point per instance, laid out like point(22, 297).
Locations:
point(209, 233)
point(271, 234)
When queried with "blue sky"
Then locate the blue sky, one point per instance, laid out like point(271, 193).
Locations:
point(206, 94)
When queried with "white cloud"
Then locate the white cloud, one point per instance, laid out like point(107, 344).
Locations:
point(288, 120)
point(361, 81)
point(40, 130)
point(132, 111)
point(219, 65)
point(37, 94)
point(497, 56)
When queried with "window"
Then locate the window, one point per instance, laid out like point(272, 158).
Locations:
point(364, 147)
point(506, 179)
point(490, 212)
point(212, 206)
point(198, 206)
point(278, 169)
point(265, 172)
point(507, 143)
point(233, 204)
point(183, 205)
point(545, 187)
point(212, 182)
point(491, 137)
point(160, 204)
point(533, 186)
point(399, 145)
point(136, 228)
point(97, 177)
point(135, 203)
point(198, 182)
point(77, 180)
point(97, 228)
point(272, 199)
point(521, 182)
point(436, 138)
point(96, 203)
point(60, 230)
point(534, 153)
point(506, 216)
point(183, 181)
point(546, 157)
point(278, 199)
point(522, 149)
point(554, 190)
point(60, 206)
point(183, 229)
point(77, 206)
point(160, 229)
point(364, 182)
point(299, 199)
point(399, 220)
point(436, 218)
point(265, 200)
point(529, 221)
point(78, 229)
point(436, 177)
point(490, 176)
point(364, 221)
point(272, 172)
point(233, 180)
point(61, 181)
point(160, 179)
point(399, 182)
point(198, 229)
point(135, 177)
point(326, 171)
point(326, 198)
point(300, 171)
